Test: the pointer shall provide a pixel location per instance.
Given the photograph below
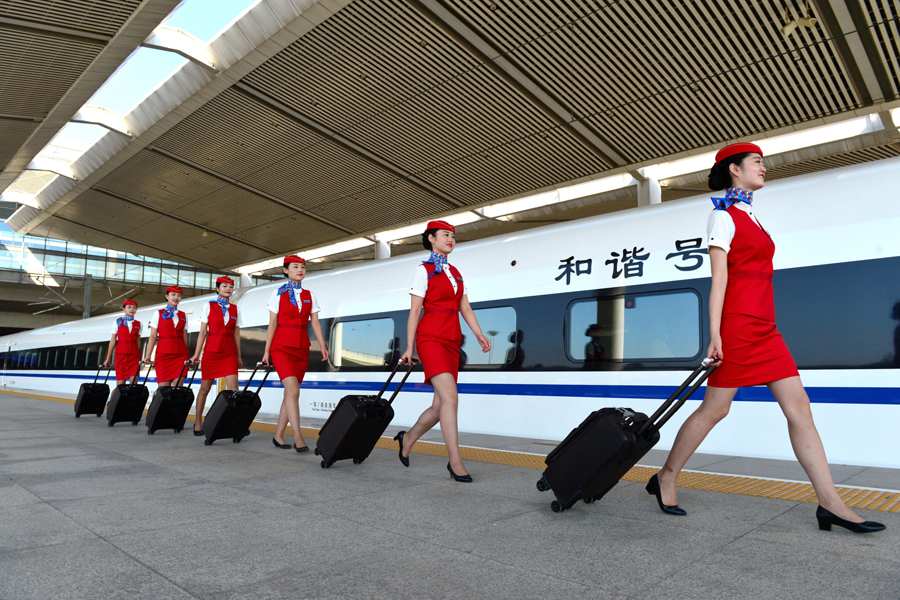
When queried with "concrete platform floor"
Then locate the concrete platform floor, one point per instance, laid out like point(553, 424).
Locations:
point(92, 512)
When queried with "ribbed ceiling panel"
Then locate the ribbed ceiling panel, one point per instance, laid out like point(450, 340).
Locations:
point(887, 35)
point(664, 77)
point(832, 162)
point(222, 251)
point(36, 71)
point(382, 207)
point(383, 76)
point(289, 234)
point(120, 218)
point(12, 135)
point(161, 182)
point(95, 16)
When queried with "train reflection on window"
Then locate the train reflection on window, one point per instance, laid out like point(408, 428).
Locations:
point(634, 327)
point(499, 326)
point(362, 343)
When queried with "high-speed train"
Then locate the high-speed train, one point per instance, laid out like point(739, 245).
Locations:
point(604, 311)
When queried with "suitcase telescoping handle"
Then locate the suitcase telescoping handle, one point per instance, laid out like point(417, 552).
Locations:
point(100, 368)
point(697, 378)
point(412, 363)
point(184, 370)
point(261, 383)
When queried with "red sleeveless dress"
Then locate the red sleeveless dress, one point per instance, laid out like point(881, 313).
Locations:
point(171, 351)
point(220, 352)
point(755, 352)
point(127, 350)
point(438, 336)
point(290, 345)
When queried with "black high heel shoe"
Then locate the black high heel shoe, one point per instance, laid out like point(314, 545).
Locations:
point(460, 478)
point(826, 519)
point(282, 446)
point(198, 433)
point(399, 438)
point(653, 490)
point(301, 449)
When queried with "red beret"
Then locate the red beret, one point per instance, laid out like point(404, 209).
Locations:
point(293, 258)
point(129, 303)
point(225, 279)
point(174, 288)
point(440, 225)
point(739, 148)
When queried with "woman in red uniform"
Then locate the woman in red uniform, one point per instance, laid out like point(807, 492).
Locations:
point(438, 288)
point(287, 345)
point(220, 331)
point(168, 325)
point(744, 336)
point(126, 341)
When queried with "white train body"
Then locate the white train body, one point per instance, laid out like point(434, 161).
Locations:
point(837, 282)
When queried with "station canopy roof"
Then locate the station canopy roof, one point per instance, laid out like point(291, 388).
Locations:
point(305, 124)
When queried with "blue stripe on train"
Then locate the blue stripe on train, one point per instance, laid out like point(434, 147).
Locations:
point(819, 395)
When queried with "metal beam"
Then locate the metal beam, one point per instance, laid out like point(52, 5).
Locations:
point(446, 20)
point(117, 235)
point(9, 117)
point(249, 188)
point(55, 31)
point(345, 143)
point(152, 209)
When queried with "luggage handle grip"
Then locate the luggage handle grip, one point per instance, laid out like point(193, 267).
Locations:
point(707, 367)
point(412, 363)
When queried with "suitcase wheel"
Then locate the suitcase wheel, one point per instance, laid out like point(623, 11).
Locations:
point(542, 485)
point(149, 432)
point(358, 461)
point(235, 440)
point(99, 414)
point(177, 431)
point(317, 452)
point(110, 424)
point(206, 442)
point(77, 416)
point(324, 464)
point(133, 423)
point(589, 500)
point(556, 507)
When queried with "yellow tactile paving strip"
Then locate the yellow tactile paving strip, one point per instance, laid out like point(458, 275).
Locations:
point(854, 497)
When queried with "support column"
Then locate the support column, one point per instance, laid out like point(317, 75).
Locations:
point(86, 310)
point(649, 192)
point(382, 250)
point(246, 280)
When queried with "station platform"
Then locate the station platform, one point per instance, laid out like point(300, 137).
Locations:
point(90, 511)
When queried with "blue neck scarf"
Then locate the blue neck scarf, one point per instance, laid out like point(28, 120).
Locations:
point(439, 261)
point(732, 195)
point(291, 286)
point(168, 311)
point(224, 303)
point(123, 321)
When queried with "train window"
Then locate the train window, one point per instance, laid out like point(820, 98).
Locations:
point(634, 327)
point(93, 356)
point(499, 325)
point(68, 357)
point(59, 358)
point(80, 352)
point(362, 343)
point(42, 358)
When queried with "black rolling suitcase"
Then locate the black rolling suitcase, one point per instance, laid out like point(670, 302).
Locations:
point(233, 412)
point(128, 401)
point(356, 424)
point(92, 397)
point(171, 405)
point(597, 454)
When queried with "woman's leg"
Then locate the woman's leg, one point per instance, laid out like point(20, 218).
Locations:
point(231, 382)
point(428, 419)
point(807, 444)
point(445, 387)
point(713, 409)
point(290, 412)
point(205, 386)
